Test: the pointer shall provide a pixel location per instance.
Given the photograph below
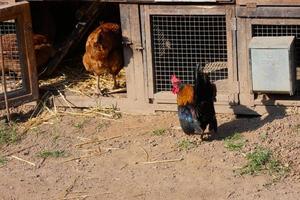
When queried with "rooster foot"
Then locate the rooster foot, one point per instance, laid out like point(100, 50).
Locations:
point(212, 134)
point(201, 137)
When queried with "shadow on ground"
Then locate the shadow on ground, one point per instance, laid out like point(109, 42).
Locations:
point(245, 123)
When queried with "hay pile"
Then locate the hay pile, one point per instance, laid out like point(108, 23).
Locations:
point(75, 79)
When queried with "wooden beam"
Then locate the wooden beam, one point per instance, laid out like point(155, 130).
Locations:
point(269, 12)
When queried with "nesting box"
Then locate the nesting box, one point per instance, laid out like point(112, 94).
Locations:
point(271, 61)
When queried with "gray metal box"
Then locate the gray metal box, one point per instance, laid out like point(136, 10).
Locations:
point(272, 64)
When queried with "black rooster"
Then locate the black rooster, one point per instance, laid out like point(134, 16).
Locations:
point(196, 103)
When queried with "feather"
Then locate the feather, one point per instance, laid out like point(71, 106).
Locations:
point(185, 95)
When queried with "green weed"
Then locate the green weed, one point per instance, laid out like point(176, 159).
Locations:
point(2, 161)
point(53, 154)
point(235, 142)
point(8, 135)
point(186, 144)
point(159, 132)
point(262, 160)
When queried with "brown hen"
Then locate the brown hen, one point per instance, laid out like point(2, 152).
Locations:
point(104, 52)
point(43, 50)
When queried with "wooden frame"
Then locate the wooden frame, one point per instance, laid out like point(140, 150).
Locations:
point(268, 2)
point(20, 12)
point(244, 37)
point(225, 97)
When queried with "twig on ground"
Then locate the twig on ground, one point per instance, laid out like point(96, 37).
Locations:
point(83, 138)
point(70, 187)
point(162, 161)
point(82, 197)
point(145, 153)
point(81, 157)
point(96, 141)
point(67, 102)
point(26, 161)
point(41, 162)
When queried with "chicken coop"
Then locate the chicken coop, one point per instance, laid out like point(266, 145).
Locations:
point(18, 73)
point(161, 38)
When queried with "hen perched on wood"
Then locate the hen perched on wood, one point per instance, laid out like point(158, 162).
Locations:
point(196, 104)
point(104, 52)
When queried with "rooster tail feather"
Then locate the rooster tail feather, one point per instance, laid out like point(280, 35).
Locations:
point(196, 78)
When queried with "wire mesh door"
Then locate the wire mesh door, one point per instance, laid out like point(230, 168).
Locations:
point(180, 42)
point(191, 36)
point(18, 74)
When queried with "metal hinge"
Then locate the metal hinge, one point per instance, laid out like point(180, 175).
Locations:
point(128, 43)
point(139, 48)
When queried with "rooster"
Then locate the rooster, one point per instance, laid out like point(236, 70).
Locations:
point(104, 52)
point(196, 104)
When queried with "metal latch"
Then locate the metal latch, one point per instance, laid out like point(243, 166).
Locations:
point(127, 42)
point(139, 48)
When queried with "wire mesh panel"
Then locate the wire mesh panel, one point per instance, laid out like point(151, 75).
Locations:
point(180, 42)
point(18, 75)
point(10, 56)
point(279, 30)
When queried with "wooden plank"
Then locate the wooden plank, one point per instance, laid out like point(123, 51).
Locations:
point(269, 12)
point(124, 104)
point(11, 11)
point(246, 98)
point(127, 51)
point(149, 64)
point(168, 97)
point(29, 54)
point(268, 2)
point(133, 52)
point(138, 50)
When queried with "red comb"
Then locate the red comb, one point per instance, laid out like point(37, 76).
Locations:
point(174, 79)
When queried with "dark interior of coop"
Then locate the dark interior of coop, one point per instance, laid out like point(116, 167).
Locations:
point(58, 20)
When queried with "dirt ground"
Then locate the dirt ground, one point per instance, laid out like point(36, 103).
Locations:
point(149, 157)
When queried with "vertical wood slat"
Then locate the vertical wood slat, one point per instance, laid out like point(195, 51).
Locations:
point(29, 52)
point(246, 96)
point(131, 31)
